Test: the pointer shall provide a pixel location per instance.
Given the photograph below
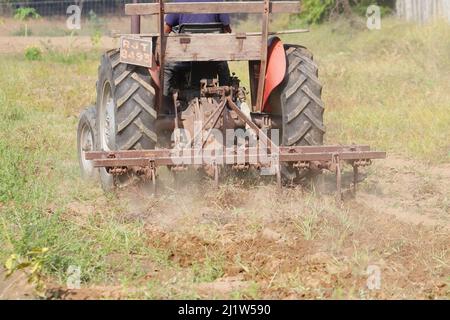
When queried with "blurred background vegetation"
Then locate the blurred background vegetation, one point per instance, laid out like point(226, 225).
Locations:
point(314, 11)
point(317, 11)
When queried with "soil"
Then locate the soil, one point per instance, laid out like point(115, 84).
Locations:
point(399, 222)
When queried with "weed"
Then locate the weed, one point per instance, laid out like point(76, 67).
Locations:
point(208, 270)
point(31, 263)
point(24, 14)
point(33, 53)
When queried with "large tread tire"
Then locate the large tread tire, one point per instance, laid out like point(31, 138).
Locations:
point(130, 122)
point(298, 100)
point(87, 141)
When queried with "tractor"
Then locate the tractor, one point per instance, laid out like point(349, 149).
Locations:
point(203, 119)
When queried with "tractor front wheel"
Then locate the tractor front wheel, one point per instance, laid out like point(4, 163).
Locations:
point(86, 141)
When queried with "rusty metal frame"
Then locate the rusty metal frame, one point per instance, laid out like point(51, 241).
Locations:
point(146, 162)
point(322, 157)
point(159, 8)
point(263, 65)
point(165, 157)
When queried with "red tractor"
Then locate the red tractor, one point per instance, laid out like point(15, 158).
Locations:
point(277, 126)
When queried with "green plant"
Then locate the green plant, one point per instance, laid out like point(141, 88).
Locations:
point(33, 53)
point(308, 226)
point(24, 14)
point(208, 270)
point(96, 37)
point(31, 263)
point(96, 22)
point(315, 11)
point(66, 56)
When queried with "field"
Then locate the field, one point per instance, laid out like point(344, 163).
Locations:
point(246, 240)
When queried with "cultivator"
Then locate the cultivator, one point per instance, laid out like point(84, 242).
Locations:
point(139, 128)
point(332, 158)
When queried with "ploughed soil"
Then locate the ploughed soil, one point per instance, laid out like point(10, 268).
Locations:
point(249, 240)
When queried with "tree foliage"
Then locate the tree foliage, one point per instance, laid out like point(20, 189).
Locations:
point(316, 11)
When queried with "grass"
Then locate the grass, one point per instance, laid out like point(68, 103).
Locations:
point(39, 103)
point(56, 26)
point(387, 88)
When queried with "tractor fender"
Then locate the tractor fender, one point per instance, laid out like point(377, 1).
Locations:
point(276, 69)
point(154, 71)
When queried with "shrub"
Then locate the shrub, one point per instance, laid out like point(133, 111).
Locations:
point(317, 11)
point(33, 53)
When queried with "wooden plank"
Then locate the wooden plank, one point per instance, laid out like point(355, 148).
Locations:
point(213, 7)
point(271, 33)
point(212, 47)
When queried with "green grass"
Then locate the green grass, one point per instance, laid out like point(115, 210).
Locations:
point(388, 89)
point(39, 104)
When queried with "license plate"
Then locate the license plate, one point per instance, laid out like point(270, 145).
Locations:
point(136, 51)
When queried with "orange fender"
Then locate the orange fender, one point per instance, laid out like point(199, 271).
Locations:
point(154, 72)
point(276, 69)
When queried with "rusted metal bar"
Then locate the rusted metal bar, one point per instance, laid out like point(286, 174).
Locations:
point(278, 176)
point(161, 53)
point(214, 7)
point(216, 176)
point(214, 123)
point(214, 115)
point(226, 156)
point(135, 22)
point(328, 156)
point(175, 119)
point(287, 151)
point(263, 65)
point(355, 177)
point(253, 70)
point(337, 163)
point(258, 131)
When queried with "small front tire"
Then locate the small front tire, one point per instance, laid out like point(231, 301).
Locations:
point(86, 141)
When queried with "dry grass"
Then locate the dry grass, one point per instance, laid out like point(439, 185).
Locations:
point(387, 88)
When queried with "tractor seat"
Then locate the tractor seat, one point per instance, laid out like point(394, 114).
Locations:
point(201, 28)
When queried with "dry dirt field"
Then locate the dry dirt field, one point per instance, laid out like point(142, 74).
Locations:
point(247, 239)
point(244, 242)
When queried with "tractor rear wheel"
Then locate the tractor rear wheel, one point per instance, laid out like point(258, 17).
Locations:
point(125, 111)
point(298, 100)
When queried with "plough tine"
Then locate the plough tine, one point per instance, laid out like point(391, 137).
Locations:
point(278, 174)
point(216, 176)
point(355, 178)
point(337, 164)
